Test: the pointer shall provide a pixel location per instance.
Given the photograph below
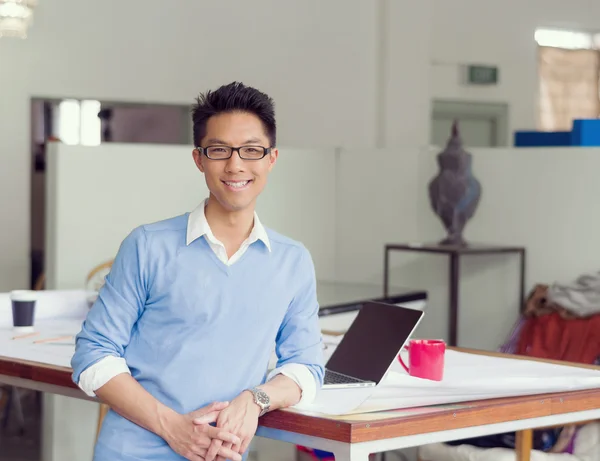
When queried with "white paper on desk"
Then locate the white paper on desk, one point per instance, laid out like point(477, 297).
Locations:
point(57, 353)
point(338, 401)
point(466, 377)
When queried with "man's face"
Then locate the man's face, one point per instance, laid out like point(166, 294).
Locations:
point(235, 182)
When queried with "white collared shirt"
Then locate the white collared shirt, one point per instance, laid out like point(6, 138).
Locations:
point(107, 368)
point(198, 227)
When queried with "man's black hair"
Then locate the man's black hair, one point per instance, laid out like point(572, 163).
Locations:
point(234, 97)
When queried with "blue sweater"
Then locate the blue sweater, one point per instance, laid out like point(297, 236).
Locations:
point(194, 330)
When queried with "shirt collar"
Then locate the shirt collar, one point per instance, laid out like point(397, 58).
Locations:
point(198, 226)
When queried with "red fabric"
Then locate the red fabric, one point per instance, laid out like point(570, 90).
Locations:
point(553, 337)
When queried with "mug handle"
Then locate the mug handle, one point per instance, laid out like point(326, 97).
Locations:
point(402, 362)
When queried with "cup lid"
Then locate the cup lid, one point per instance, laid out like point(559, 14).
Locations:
point(23, 295)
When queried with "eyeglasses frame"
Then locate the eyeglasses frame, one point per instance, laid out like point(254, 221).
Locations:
point(204, 151)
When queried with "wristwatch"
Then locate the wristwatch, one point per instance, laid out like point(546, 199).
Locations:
point(261, 398)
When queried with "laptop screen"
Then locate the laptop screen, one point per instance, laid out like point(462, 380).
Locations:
point(373, 341)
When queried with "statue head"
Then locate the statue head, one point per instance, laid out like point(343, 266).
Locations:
point(454, 156)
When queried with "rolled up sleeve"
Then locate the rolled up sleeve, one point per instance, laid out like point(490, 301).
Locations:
point(299, 340)
point(107, 328)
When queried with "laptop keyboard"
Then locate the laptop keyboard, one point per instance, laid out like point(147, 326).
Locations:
point(331, 377)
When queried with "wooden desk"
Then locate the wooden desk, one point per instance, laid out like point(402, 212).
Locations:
point(354, 438)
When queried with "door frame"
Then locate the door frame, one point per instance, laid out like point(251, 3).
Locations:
point(497, 112)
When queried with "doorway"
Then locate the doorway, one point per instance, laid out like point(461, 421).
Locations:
point(481, 124)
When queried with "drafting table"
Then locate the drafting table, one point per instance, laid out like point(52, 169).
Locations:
point(353, 438)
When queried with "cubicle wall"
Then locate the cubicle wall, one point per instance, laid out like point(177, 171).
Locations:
point(345, 206)
point(96, 195)
point(377, 203)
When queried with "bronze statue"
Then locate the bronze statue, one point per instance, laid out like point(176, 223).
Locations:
point(454, 193)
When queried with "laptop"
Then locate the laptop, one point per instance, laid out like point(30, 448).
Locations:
point(371, 345)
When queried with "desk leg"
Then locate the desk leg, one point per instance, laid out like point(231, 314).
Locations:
point(454, 282)
point(386, 264)
point(522, 292)
point(524, 444)
point(349, 453)
point(350, 457)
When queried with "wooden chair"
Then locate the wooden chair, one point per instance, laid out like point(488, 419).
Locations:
point(95, 278)
point(93, 282)
point(40, 283)
point(102, 413)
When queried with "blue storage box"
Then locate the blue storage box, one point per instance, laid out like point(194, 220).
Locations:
point(542, 138)
point(586, 132)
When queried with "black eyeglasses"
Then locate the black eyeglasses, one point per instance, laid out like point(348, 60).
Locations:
point(225, 152)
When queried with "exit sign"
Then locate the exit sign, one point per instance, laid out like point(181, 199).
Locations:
point(482, 75)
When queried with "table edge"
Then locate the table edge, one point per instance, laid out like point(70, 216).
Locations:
point(433, 248)
point(37, 371)
point(406, 297)
point(473, 413)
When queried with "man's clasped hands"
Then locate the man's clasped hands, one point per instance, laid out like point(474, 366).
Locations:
point(195, 438)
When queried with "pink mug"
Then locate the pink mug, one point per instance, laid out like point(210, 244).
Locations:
point(425, 359)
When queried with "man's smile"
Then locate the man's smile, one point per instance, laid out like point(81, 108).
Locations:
point(238, 184)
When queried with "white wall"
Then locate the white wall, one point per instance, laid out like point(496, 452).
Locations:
point(542, 199)
point(316, 59)
point(343, 73)
point(97, 195)
point(360, 199)
point(500, 34)
point(376, 203)
point(403, 30)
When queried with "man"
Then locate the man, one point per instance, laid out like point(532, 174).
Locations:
point(179, 339)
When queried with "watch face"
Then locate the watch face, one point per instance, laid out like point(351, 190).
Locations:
point(262, 397)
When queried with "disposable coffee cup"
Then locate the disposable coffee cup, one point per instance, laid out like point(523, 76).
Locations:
point(23, 309)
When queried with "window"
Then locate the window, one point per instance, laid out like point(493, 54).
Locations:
point(78, 122)
point(569, 73)
point(567, 39)
point(91, 126)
